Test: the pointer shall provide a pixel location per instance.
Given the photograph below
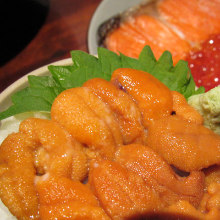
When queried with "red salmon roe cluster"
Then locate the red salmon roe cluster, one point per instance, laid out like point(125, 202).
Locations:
point(205, 63)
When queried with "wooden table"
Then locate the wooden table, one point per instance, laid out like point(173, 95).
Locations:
point(65, 29)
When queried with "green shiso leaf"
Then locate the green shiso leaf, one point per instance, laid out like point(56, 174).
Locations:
point(42, 90)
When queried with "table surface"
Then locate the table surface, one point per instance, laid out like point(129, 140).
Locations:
point(65, 29)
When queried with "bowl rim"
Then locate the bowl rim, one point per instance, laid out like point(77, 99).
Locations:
point(5, 96)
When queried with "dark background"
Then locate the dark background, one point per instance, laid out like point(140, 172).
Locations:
point(37, 32)
point(21, 20)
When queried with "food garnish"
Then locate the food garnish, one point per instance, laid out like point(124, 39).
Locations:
point(208, 105)
point(42, 90)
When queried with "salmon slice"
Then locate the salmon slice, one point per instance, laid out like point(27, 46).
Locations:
point(141, 30)
point(212, 8)
point(126, 40)
point(196, 19)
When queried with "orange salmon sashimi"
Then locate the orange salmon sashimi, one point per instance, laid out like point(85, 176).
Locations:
point(196, 19)
point(133, 35)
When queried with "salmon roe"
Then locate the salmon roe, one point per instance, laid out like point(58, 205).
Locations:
point(205, 63)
